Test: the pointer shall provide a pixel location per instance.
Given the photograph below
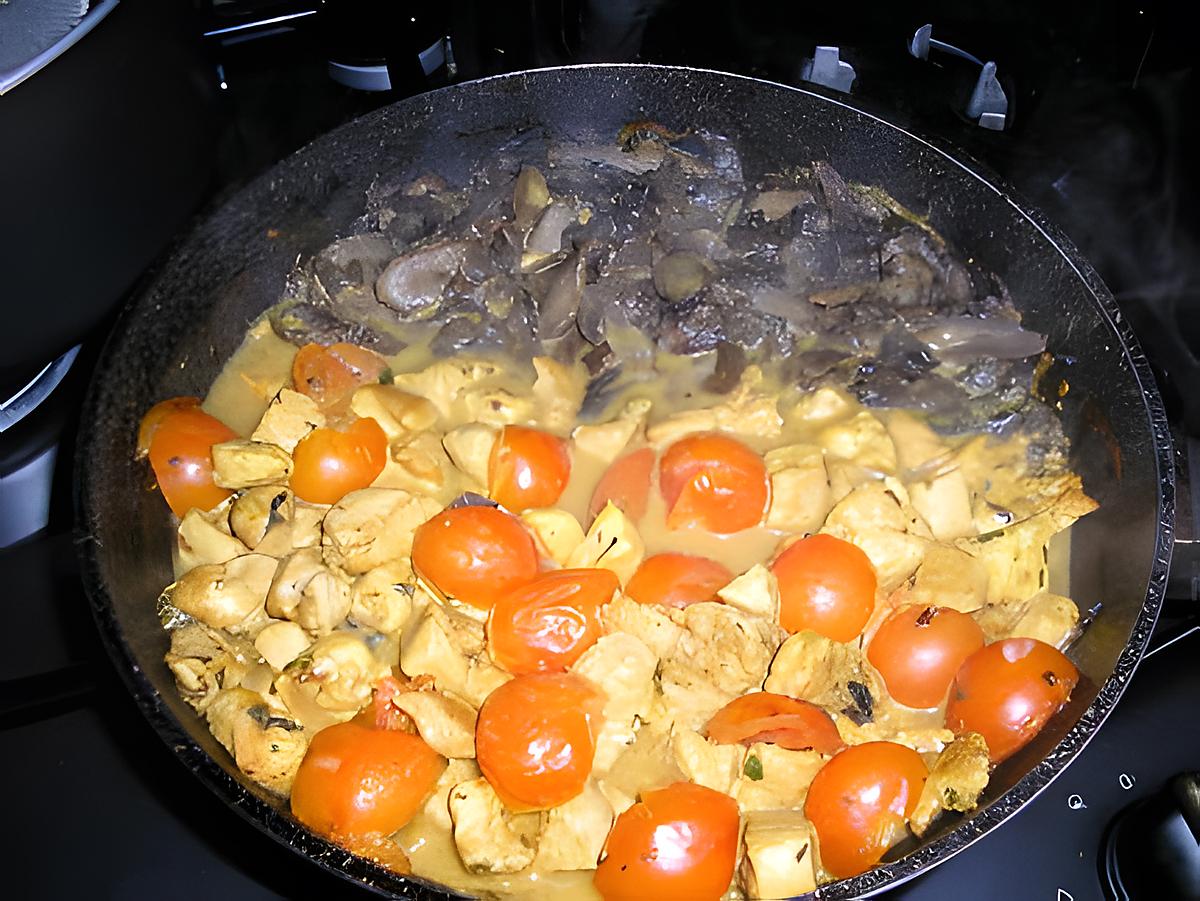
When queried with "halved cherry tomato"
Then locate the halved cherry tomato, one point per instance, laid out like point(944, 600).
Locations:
point(181, 457)
point(860, 801)
point(626, 483)
point(825, 584)
point(544, 625)
point(382, 713)
point(528, 468)
point(918, 650)
point(354, 780)
point(775, 719)
point(328, 464)
point(535, 738)
point(474, 554)
point(676, 580)
point(713, 482)
point(330, 374)
point(154, 418)
point(1007, 691)
point(677, 843)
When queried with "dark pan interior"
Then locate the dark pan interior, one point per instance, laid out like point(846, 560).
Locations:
point(176, 334)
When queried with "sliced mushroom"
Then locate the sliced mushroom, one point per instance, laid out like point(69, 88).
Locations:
point(308, 592)
point(413, 285)
point(681, 275)
point(341, 669)
point(256, 510)
point(381, 599)
point(204, 538)
point(531, 195)
point(225, 595)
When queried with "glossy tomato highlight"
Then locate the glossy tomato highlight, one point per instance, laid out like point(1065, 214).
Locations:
point(713, 482)
point(328, 464)
point(825, 584)
point(180, 449)
point(527, 468)
point(918, 649)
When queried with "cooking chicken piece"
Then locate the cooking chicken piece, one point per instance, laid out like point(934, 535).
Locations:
point(606, 440)
point(307, 520)
point(869, 506)
point(483, 677)
point(780, 778)
point(289, 418)
point(556, 532)
point(921, 738)
point(948, 577)
point(418, 463)
point(267, 747)
point(573, 833)
point(956, 780)
point(397, 412)
point(721, 654)
point(445, 382)
point(845, 476)
point(612, 542)
point(470, 448)
point(558, 393)
point(437, 807)
point(800, 494)
point(873, 518)
point(863, 440)
point(225, 595)
point(445, 722)
point(203, 538)
point(448, 645)
point(483, 833)
point(623, 667)
point(822, 405)
point(381, 599)
point(497, 407)
point(342, 669)
point(308, 592)
point(814, 668)
point(706, 763)
point(241, 464)
point(777, 855)
point(372, 526)
point(281, 642)
point(1047, 617)
point(659, 628)
point(938, 489)
point(646, 765)
point(747, 410)
point(199, 659)
point(256, 511)
point(755, 591)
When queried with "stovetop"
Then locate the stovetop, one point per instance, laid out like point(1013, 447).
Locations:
point(1098, 136)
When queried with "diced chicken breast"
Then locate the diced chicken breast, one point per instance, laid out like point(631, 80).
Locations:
point(814, 668)
point(266, 747)
point(612, 542)
point(956, 780)
point(863, 440)
point(948, 577)
point(557, 532)
point(486, 840)
point(373, 526)
point(288, 419)
point(706, 763)
point(624, 667)
point(204, 538)
point(755, 591)
point(397, 412)
point(241, 464)
point(657, 627)
point(381, 598)
point(470, 448)
point(224, 595)
point(445, 722)
point(800, 494)
point(606, 440)
point(558, 393)
point(779, 780)
point(777, 855)
point(1047, 617)
point(573, 833)
point(281, 642)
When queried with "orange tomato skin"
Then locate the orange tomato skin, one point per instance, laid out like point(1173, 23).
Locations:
point(763, 716)
point(527, 468)
point(330, 374)
point(827, 585)
point(1007, 691)
point(918, 649)
point(535, 738)
point(677, 580)
point(546, 624)
point(714, 482)
point(626, 483)
point(328, 464)
point(860, 801)
point(181, 457)
point(355, 780)
point(474, 554)
point(677, 843)
point(154, 418)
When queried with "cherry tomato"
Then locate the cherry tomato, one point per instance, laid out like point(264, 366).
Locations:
point(544, 625)
point(330, 374)
point(860, 801)
point(328, 464)
point(474, 554)
point(382, 712)
point(181, 457)
point(1007, 691)
point(713, 482)
point(677, 843)
point(825, 584)
point(535, 738)
point(626, 483)
point(918, 650)
point(676, 580)
point(528, 468)
point(354, 780)
point(154, 418)
point(775, 719)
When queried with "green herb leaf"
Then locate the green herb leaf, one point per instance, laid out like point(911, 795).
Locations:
point(387, 377)
point(753, 768)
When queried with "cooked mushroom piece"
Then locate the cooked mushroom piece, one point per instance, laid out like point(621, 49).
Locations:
point(339, 671)
point(256, 510)
point(309, 592)
point(225, 595)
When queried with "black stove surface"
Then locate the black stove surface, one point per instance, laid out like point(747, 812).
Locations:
point(97, 805)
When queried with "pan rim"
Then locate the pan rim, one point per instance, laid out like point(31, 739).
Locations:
point(287, 831)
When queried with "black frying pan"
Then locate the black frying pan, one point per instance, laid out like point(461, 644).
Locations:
point(175, 336)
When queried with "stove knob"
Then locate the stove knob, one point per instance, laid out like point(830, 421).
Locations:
point(1152, 847)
